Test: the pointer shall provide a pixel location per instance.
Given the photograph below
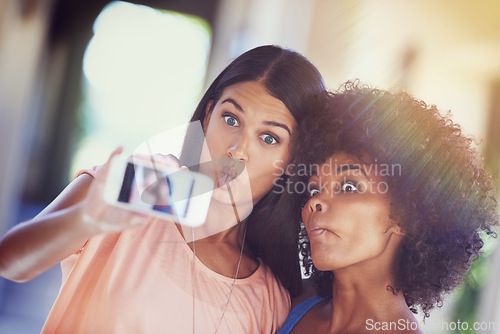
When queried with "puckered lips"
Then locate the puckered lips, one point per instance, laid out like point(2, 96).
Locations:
point(314, 230)
point(227, 170)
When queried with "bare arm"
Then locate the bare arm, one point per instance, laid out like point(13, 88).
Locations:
point(58, 231)
point(62, 228)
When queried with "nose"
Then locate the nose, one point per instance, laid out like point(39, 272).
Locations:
point(239, 150)
point(316, 205)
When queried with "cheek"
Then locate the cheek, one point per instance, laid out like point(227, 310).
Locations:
point(364, 223)
point(305, 212)
point(365, 212)
point(369, 229)
point(323, 258)
point(264, 172)
point(269, 162)
point(212, 137)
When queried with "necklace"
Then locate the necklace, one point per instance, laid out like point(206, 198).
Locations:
point(235, 276)
point(194, 252)
point(234, 280)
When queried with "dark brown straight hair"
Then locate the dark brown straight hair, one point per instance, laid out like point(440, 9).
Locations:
point(273, 228)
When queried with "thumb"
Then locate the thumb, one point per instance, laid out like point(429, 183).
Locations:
point(103, 171)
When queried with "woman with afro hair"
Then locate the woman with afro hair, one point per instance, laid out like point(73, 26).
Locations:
point(398, 205)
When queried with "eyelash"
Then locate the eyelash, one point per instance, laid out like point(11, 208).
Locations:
point(310, 193)
point(277, 141)
point(227, 115)
point(346, 182)
point(224, 116)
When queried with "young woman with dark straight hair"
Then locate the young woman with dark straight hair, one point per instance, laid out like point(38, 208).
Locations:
point(126, 273)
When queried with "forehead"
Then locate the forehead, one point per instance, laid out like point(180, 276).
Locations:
point(248, 89)
point(254, 98)
point(337, 160)
point(342, 164)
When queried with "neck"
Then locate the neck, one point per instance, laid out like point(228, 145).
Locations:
point(222, 224)
point(363, 292)
point(232, 235)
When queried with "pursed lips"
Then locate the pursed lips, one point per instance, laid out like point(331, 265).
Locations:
point(314, 229)
point(227, 170)
point(226, 175)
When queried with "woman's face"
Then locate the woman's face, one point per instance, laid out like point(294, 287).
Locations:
point(347, 216)
point(249, 125)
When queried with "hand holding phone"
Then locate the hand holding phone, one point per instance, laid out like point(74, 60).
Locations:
point(153, 187)
point(99, 214)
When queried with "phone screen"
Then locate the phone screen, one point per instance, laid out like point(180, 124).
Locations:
point(147, 188)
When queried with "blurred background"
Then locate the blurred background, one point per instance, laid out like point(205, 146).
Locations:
point(78, 78)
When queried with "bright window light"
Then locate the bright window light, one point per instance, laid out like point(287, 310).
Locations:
point(144, 72)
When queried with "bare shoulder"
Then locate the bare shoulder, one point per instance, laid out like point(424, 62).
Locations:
point(308, 292)
point(315, 320)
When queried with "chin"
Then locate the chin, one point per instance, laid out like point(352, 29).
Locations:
point(223, 197)
point(320, 263)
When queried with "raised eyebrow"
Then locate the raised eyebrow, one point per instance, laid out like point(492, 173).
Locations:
point(345, 168)
point(314, 172)
point(281, 125)
point(233, 102)
point(272, 123)
point(314, 177)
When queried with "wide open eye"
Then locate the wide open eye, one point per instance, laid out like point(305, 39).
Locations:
point(349, 187)
point(230, 120)
point(313, 192)
point(268, 139)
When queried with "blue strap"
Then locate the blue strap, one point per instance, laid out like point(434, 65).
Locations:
point(298, 312)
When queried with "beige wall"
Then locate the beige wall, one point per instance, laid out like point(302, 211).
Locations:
point(455, 47)
point(243, 24)
point(22, 43)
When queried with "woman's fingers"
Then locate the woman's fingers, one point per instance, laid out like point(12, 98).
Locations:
point(109, 217)
point(162, 160)
point(117, 219)
point(103, 170)
point(168, 160)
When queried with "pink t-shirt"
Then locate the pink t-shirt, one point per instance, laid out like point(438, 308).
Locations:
point(141, 281)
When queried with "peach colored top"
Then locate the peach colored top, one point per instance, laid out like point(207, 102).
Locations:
point(141, 281)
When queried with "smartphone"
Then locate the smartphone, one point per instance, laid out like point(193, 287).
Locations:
point(145, 186)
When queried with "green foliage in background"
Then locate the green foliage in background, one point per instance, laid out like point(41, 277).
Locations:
point(468, 296)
